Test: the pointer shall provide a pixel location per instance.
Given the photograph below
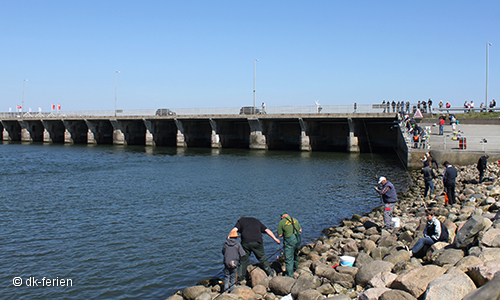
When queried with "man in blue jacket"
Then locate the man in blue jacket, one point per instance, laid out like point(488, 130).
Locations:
point(389, 197)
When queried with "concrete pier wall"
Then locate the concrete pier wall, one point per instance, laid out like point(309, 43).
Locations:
point(303, 132)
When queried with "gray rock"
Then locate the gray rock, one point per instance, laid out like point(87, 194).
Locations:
point(396, 295)
point(347, 270)
point(484, 272)
point(204, 296)
point(372, 294)
point(191, 292)
point(362, 259)
point(322, 270)
point(466, 235)
point(387, 241)
point(368, 271)
point(305, 282)
point(489, 291)
point(175, 297)
point(281, 285)
point(379, 253)
point(468, 261)
point(449, 257)
point(415, 281)
point(339, 297)
point(260, 290)
point(326, 289)
point(383, 279)
point(258, 276)
point(488, 238)
point(310, 294)
point(230, 297)
point(449, 286)
point(400, 256)
point(244, 292)
point(489, 254)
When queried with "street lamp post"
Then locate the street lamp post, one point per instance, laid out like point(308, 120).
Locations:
point(116, 73)
point(254, 77)
point(22, 104)
point(488, 44)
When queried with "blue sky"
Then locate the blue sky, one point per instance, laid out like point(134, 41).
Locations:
point(183, 54)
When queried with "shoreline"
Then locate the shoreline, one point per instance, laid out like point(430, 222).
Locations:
point(463, 268)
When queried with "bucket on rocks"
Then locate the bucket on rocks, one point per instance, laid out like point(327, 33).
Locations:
point(347, 261)
point(396, 222)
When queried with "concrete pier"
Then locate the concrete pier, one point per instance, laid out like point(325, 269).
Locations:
point(353, 132)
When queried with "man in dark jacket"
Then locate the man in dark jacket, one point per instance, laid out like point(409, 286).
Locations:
point(389, 197)
point(428, 178)
point(251, 231)
point(481, 166)
point(449, 176)
point(434, 231)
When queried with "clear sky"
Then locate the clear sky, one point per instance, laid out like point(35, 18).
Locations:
point(182, 54)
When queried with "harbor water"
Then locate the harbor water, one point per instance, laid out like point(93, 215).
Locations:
point(121, 222)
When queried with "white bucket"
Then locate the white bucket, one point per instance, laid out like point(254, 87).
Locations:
point(347, 261)
point(396, 222)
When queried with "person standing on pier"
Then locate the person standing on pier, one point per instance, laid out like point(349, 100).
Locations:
point(251, 231)
point(289, 228)
point(389, 197)
point(441, 125)
point(449, 176)
point(482, 164)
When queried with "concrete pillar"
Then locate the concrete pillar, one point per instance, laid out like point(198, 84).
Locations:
point(46, 134)
point(257, 139)
point(215, 138)
point(181, 141)
point(25, 133)
point(118, 136)
point(91, 132)
point(68, 139)
point(5, 135)
point(352, 141)
point(305, 143)
point(149, 133)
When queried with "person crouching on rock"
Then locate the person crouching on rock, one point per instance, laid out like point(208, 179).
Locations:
point(389, 197)
point(232, 252)
point(434, 231)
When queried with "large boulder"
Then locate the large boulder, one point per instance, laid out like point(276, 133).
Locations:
point(491, 238)
point(415, 281)
point(468, 261)
point(396, 295)
point(400, 256)
point(449, 286)
point(191, 292)
point(373, 293)
point(310, 294)
point(484, 272)
point(305, 282)
point(383, 279)
point(469, 231)
point(489, 291)
point(258, 276)
point(449, 257)
point(244, 292)
point(369, 270)
point(281, 285)
point(322, 270)
point(487, 254)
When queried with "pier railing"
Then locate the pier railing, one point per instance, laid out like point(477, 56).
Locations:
point(291, 109)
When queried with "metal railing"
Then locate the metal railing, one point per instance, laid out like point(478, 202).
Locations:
point(291, 109)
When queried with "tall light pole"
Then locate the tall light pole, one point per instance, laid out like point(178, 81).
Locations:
point(22, 107)
point(488, 44)
point(254, 77)
point(116, 73)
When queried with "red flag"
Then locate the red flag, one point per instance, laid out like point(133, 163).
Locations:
point(19, 107)
point(58, 106)
point(53, 106)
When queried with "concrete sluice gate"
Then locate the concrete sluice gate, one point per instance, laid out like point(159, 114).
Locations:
point(338, 133)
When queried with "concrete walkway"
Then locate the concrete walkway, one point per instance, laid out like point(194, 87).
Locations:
point(477, 138)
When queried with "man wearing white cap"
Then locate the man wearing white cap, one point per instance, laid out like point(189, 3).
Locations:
point(389, 197)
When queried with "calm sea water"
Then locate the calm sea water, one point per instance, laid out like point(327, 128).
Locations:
point(141, 222)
